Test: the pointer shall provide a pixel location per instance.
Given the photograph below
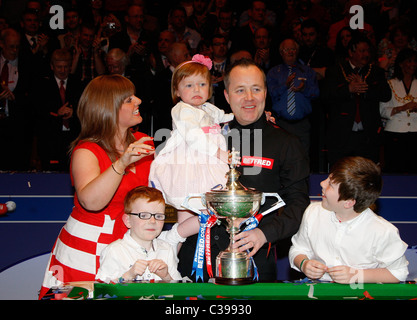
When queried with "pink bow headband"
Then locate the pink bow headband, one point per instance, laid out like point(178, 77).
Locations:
point(199, 58)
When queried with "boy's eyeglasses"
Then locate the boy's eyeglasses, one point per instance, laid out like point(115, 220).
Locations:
point(148, 215)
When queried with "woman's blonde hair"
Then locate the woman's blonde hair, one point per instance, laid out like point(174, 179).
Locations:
point(98, 111)
point(187, 69)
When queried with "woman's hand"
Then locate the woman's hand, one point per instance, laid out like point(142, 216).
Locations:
point(408, 107)
point(413, 107)
point(135, 151)
point(95, 189)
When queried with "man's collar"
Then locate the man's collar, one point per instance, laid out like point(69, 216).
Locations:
point(12, 62)
point(59, 80)
point(353, 66)
point(30, 37)
point(261, 123)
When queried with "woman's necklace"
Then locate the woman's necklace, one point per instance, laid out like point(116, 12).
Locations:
point(408, 97)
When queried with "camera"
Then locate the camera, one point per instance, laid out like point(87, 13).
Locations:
point(111, 25)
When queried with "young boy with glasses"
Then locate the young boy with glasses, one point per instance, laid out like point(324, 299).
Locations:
point(140, 255)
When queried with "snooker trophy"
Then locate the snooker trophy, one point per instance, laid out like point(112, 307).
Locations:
point(234, 201)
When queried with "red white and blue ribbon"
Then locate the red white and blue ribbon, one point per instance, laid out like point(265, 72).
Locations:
point(252, 223)
point(203, 246)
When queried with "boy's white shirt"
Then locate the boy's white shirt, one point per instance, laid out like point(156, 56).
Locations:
point(120, 255)
point(365, 242)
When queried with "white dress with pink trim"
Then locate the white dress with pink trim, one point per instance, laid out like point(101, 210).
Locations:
point(188, 162)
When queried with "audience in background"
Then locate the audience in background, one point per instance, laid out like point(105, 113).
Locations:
point(88, 59)
point(400, 112)
point(162, 102)
point(201, 20)
point(36, 46)
point(137, 42)
point(177, 24)
point(353, 90)
point(398, 38)
point(146, 31)
point(246, 31)
point(342, 40)
point(336, 26)
point(219, 56)
point(16, 110)
point(292, 86)
point(57, 121)
point(72, 23)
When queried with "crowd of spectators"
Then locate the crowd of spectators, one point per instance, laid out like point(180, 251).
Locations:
point(144, 40)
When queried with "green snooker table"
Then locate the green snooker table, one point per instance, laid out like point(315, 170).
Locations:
point(302, 290)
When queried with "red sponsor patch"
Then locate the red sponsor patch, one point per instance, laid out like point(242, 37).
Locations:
point(257, 162)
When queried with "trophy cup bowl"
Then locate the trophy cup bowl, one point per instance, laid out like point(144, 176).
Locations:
point(233, 267)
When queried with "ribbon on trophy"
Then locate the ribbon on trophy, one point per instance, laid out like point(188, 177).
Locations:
point(252, 223)
point(203, 246)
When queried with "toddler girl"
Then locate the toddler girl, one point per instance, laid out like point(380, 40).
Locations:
point(195, 158)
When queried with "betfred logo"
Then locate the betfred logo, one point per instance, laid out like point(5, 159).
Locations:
point(257, 162)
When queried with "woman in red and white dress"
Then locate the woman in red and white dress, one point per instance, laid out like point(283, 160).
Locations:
point(108, 159)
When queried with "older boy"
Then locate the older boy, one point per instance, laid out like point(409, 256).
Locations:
point(341, 239)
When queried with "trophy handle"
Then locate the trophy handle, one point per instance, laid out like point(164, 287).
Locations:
point(280, 203)
point(193, 195)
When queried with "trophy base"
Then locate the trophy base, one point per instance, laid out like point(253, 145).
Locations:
point(233, 268)
point(234, 281)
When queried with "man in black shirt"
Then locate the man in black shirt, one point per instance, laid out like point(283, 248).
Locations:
point(285, 171)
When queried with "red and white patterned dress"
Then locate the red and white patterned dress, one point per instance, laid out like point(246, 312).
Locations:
point(76, 253)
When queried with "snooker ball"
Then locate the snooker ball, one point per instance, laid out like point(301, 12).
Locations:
point(11, 206)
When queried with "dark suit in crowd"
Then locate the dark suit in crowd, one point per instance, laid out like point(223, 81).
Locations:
point(54, 138)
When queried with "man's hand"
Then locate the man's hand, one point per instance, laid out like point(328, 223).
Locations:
point(65, 111)
point(298, 88)
point(6, 94)
point(357, 84)
point(246, 240)
point(137, 48)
